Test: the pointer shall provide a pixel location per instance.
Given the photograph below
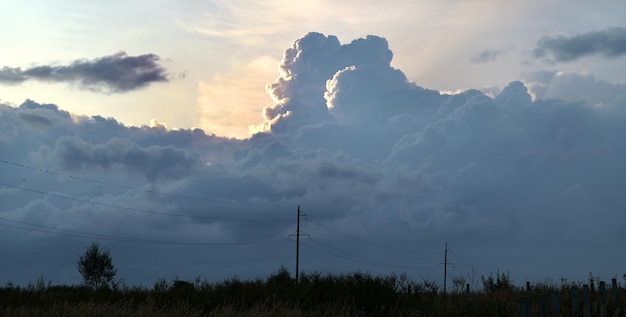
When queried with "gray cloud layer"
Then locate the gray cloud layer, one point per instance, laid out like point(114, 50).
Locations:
point(609, 43)
point(486, 56)
point(114, 73)
point(534, 187)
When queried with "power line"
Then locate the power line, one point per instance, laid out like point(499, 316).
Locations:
point(141, 210)
point(367, 241)
point(149, 191)
point(469, 266)
point(340, 256)
point(82, 234)
point(360, 259)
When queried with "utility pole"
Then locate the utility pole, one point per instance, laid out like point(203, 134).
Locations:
point(297, 235)
point(445, 269)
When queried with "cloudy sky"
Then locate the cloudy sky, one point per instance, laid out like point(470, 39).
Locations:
point(184, 135)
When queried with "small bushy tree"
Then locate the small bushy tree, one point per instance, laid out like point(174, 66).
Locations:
point(96, 266)
point(502, 282)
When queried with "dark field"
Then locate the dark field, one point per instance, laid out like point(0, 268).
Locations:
point(356, 294)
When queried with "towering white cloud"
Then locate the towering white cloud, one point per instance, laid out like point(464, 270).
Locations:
point(305, 68)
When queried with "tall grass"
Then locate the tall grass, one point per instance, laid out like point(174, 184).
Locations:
point(355, 294)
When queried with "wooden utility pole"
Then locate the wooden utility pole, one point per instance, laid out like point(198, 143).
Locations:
point(298, 247)
point(297, 235)
point(445, 268)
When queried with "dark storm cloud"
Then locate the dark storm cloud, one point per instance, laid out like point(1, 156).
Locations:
point(112, 74)
point(153, 162)
point(608, 43)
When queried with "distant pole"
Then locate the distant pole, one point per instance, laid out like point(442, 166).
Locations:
point(298, 247)
point(445, 269)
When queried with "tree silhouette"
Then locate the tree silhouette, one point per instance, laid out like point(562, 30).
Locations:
point(96, 266)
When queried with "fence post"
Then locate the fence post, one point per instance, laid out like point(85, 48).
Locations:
point(575, 301)
point(586, 301)
point(543, 306)
point(602, 290)
point(524, 307)
point(556, 303)
point(615, 292)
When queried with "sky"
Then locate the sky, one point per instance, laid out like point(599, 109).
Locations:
point(184, 136)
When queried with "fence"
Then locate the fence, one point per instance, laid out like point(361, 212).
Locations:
point(593, 303)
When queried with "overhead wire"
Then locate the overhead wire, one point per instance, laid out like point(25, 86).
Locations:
point(150, 191)
point(22, 225)
point(367, 241)
point(469, 266)
point(34, 227)
point(339, 255)
point(357, 258)
point(143, 210)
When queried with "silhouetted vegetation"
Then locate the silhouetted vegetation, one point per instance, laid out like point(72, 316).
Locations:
point(355, 294)
point(96, 267)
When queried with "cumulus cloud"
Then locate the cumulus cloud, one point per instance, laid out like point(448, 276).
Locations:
point(153, 162)
point(112, 74)
point(609, 43)
point(575, 87)
point(311, 61)
point(360, 148)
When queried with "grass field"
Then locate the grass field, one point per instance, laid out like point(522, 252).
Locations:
point(356, 294)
